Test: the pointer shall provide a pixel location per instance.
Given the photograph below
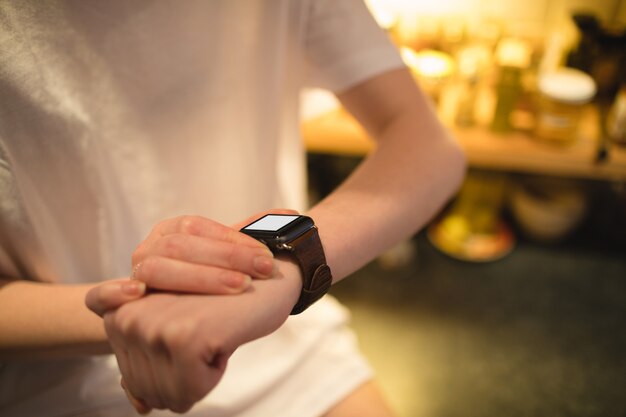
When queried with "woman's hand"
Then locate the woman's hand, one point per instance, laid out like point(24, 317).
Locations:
point(172, 349)
point(187, 254)
point(193, 254)
point(190, 254)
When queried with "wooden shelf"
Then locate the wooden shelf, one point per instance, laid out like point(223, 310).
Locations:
point(335, 132)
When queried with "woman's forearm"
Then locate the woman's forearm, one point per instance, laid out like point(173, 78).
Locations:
point(40, 320)
point(414, 170)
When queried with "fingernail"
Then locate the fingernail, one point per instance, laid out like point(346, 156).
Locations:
point(239, 282)
point(133, 287)
point(264, 266)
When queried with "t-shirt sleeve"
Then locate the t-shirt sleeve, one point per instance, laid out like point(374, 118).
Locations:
point(344, 45)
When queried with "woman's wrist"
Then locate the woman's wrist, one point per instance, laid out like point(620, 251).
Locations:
point(288, 283)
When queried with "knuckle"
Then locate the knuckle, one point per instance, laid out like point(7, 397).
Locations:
point(154, 340)
point(232, 252)
point(202, 226)
point(124, 321)
point(191, 225)
point(175, 335)
point(173, 245)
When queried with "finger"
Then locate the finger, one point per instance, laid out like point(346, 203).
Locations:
point(168, 386)
point(118, 345)
point(153, 347)
point(112, 294)
point(179, 276)
point(138, 404)
point(258, 262)
point(132, 330)
point(144, 384)
point(195, 226)
point(123, 362)
point(164, 339)
point(190, 353)
point(257, 216)
point(177, 398)
point(203, 227)
point(141, 328)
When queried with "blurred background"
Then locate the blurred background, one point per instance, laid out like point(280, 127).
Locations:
point(513, 300)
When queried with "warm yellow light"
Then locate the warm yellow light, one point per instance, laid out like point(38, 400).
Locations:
point(513, 52)
point(409, 57)
point(428, 63)
point(473, 60)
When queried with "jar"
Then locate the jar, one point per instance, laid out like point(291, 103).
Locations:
point(562, 96)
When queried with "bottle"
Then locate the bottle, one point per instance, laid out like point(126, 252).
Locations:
point(513, 56)
point(616, 123)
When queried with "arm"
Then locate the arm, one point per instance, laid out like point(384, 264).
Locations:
point(43, 320)
point(172, 349)
point(414, 170)
point(395, 191)
point(49, 320)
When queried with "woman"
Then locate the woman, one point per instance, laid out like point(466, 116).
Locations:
point(118, 118)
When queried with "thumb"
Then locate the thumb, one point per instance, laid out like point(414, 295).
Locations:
point(113, 294)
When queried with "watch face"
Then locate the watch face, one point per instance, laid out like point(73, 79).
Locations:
point(271, 223)
point(276, 229)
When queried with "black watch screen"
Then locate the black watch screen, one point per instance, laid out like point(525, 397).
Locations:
point(275, 230)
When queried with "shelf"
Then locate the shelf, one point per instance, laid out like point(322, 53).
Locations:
point(336, 132)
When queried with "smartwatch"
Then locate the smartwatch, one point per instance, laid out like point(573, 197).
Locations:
point(296, 236)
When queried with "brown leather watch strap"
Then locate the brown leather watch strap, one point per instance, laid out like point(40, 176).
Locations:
point(316, 276)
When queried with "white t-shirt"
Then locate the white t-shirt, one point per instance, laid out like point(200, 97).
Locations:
point(115, 115)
